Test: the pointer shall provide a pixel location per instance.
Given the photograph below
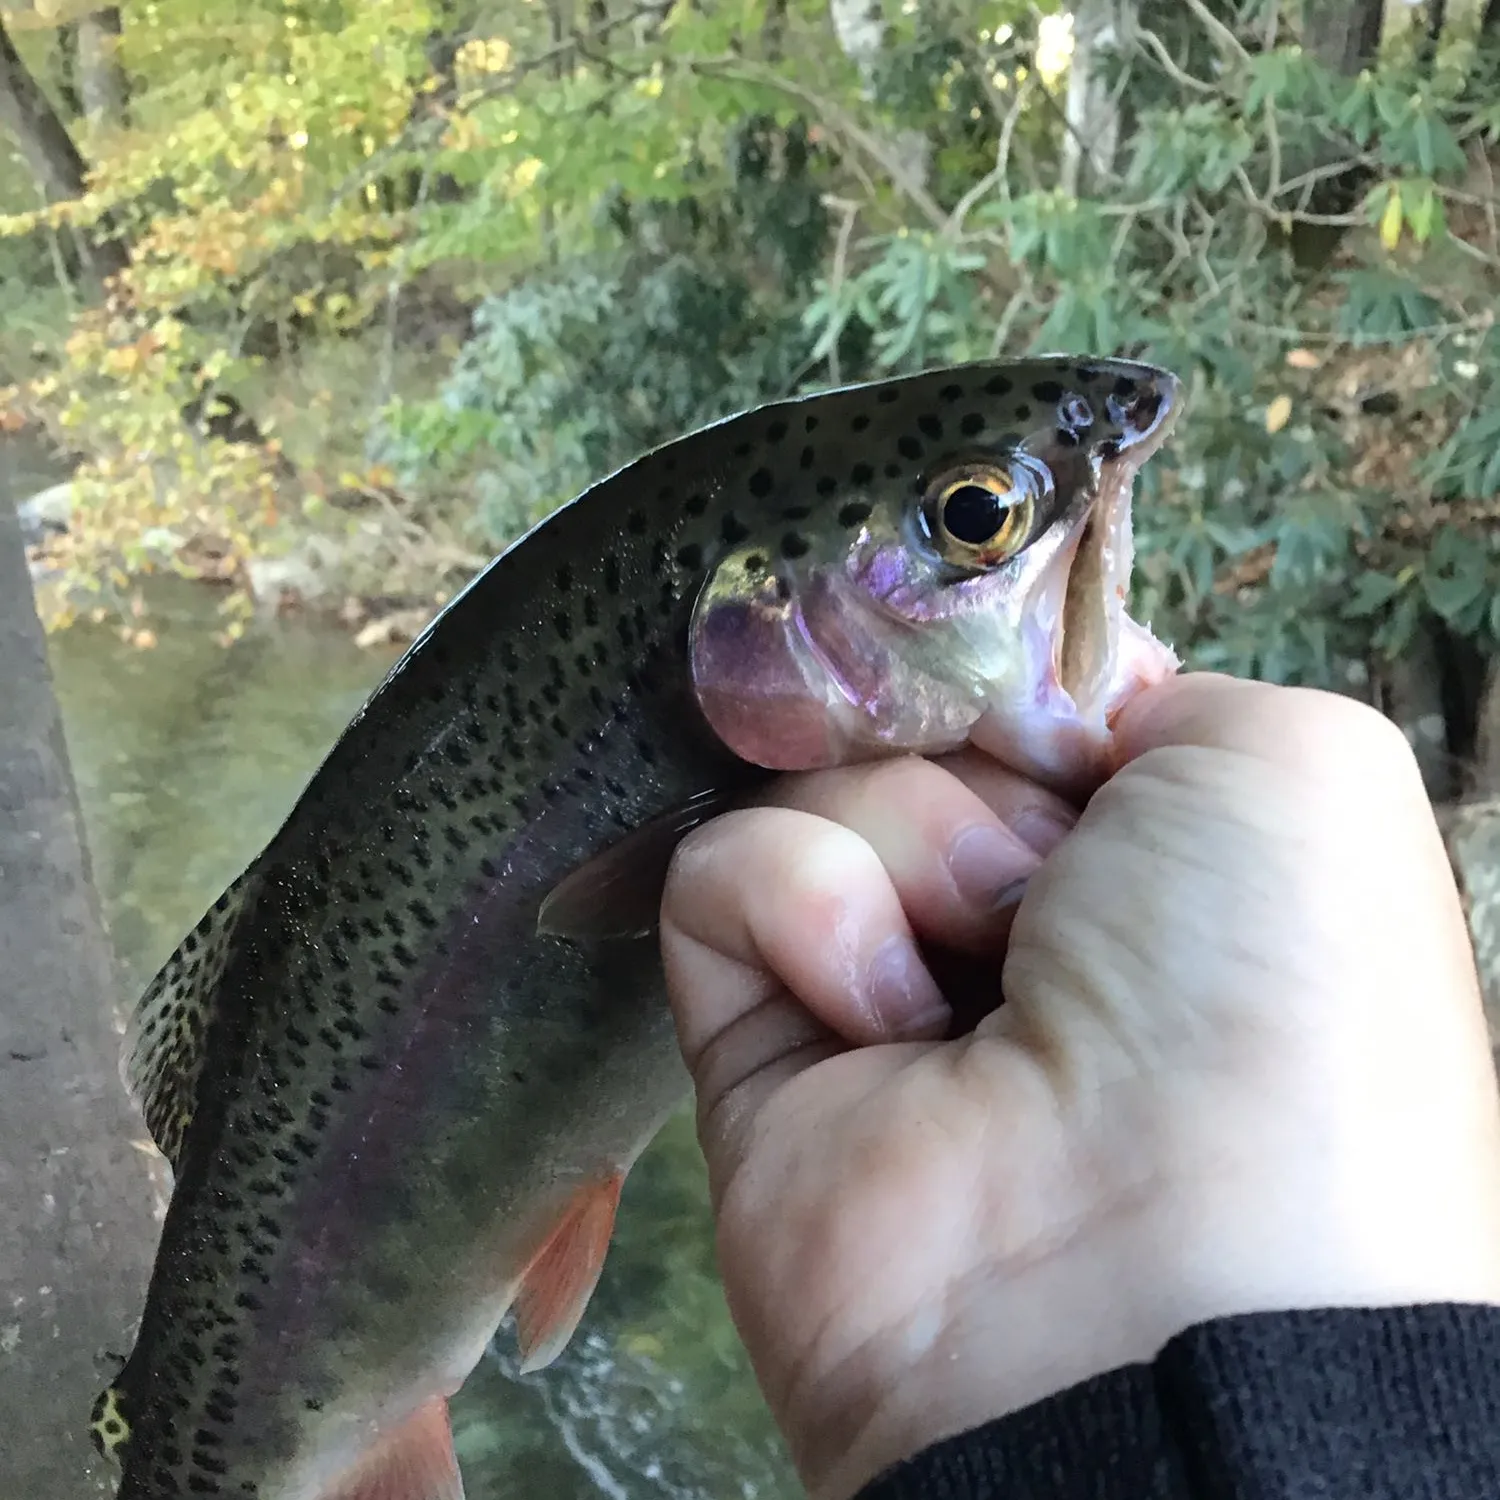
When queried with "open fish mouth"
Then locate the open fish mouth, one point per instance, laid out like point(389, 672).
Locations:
point(1098, 656)
point(1083, 655)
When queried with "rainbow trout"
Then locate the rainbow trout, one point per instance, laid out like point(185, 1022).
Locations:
point(402, 1066)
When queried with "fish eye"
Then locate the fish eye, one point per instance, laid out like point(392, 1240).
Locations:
point(980, 515)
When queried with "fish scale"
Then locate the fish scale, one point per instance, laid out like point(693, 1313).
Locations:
point(381, 1087)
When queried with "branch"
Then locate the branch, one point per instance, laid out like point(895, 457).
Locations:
point(836, 119)
point(1226, 39)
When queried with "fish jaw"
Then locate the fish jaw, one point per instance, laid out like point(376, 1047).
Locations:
point(1082, 656)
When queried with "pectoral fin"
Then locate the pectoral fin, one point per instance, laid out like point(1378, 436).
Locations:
point(617, 894)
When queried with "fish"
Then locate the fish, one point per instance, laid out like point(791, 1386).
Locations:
point(402, 1066)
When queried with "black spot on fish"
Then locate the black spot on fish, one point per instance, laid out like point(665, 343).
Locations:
point(776, 431)
point(854, 515)
point(1124, 387)
point(635, 523)
point(590, 611)
point(733, 530)
point(861, 474)
point(755, 564)
point(562, 623)
point(796, 513)
point(860, 422)
point(810, 424)
point(931, 428)
point(1023, 413)
point(950, 392)
point(695, 504)
point(564, 578)
point(313, 1404)
point(827, 485)
point(893, 471)
point(889, 396)
point(690, 557)
point(509, 659)
point(190, 943)
point(762, 482)
point(972, 424)
point(1047, 391)
point(997, 385)
point(808, 458)
point(909, 448)
point(793, 545)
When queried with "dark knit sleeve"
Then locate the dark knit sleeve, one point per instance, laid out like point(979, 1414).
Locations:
point(1338, 1404)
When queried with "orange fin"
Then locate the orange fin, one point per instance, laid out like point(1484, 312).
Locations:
point(414, 1461)
point(556, 1287)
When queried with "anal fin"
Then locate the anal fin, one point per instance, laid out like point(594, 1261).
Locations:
point(556, 1286)
point(414, 1461)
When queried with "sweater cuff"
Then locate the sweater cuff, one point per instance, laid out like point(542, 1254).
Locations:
point(1399, 1402)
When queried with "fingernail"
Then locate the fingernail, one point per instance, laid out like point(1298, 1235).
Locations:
point(903, 996)
point(984, 860)
point(1043, 831)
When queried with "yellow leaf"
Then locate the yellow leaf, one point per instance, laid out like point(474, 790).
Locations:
point(1390, 221)
point(1278, 413)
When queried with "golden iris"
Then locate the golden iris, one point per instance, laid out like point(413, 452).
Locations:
point(980, 515)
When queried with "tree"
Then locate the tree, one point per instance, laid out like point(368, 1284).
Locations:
point(101, 78)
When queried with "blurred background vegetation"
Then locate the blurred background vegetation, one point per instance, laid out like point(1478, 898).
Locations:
point(327, 302)
point(321, 302)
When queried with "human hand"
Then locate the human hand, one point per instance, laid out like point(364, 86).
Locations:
point(1242, 1064)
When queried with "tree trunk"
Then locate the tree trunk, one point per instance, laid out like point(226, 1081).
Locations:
point(1343, 34)
point(27, 116)
point(101, 79)
point(1101, 28)
point(29, 119)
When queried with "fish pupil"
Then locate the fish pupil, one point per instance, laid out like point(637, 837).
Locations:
point(973, 514)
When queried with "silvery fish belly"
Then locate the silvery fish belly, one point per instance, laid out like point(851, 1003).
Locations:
point(402, 1066)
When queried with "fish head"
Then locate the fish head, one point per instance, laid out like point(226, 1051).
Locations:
point(965, 582)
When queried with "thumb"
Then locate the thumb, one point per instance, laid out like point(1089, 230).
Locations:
point(784, 942)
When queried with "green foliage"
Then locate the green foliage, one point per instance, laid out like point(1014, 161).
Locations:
point(567, 377)
point(682, 209)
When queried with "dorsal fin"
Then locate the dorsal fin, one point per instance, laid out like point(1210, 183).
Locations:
point(164, 1042)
